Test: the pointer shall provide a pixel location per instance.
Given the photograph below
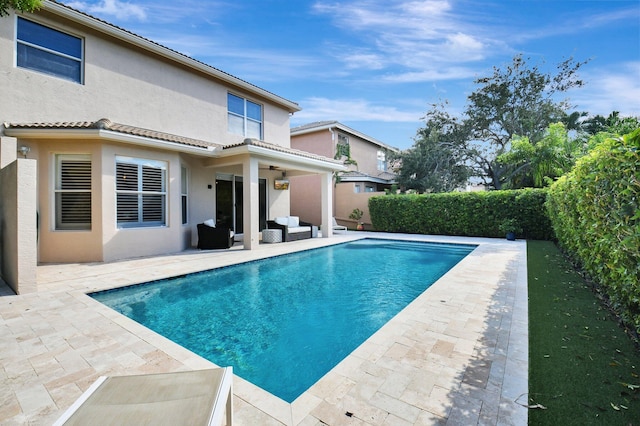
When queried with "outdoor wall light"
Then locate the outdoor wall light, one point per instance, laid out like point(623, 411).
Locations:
point(24, 150)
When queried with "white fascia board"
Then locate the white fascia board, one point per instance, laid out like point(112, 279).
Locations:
point(108, 135)
point(345, 129)
point(312, 164)
point(148, 45)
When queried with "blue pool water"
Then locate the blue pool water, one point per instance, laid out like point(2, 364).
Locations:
point(283, 322)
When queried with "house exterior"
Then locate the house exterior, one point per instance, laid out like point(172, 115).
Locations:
point(368, 171)
point(113, 146)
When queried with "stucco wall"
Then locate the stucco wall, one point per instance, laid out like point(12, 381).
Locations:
point(57, 245)
point(126, 85)
point(306, 198)
point(18, 249)
point(366, 154)
point(347, 200)
point(317, 142)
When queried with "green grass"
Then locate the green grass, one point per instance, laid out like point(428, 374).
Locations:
point(583, 367)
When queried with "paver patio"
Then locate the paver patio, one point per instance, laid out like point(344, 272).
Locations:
point(457, 355)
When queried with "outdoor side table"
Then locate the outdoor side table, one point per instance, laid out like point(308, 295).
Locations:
point(271, 236)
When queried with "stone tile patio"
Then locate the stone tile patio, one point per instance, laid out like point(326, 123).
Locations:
point(457, 355)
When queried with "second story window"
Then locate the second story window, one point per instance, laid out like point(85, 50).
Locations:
point(49, 51)
point(382, 161)
point(244, 117)
point(342, 148)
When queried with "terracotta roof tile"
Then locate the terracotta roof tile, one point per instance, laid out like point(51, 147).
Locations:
point(106, 124)
point(279, 148)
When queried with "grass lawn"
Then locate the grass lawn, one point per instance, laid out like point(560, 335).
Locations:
point(583, 368)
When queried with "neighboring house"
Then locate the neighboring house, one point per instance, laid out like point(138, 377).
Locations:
point(113, 146)
point(368, 172)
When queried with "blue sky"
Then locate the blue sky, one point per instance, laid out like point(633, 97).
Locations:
point(377, 65)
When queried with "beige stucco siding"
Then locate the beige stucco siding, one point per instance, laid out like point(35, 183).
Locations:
point(64, 246)
point(320, 143)
point(366, 154)
point(127, 85)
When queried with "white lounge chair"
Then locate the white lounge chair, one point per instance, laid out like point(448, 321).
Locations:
point(200, 397)
point(337, 227)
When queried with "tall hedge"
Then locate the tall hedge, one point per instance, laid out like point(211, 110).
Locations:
point(476, 214)
point(595, 213)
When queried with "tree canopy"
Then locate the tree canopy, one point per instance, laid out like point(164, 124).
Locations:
point(21, 5)
point(517, 100)
point(436, 162)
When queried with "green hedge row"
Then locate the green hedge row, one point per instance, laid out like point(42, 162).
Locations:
point(596, 217)
point(477, 214)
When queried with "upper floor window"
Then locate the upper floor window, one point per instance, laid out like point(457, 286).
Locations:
point(141, 192)
point(244, 117)
point(73, 192)
point(49, 51)
point(342, 148)
point(382, 161)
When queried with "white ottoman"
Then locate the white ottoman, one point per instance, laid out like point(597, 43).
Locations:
point(271, 236)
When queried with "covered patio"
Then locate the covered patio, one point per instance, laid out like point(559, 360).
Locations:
point(182, 169)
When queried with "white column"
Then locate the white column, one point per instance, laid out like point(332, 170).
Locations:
point(8, 150)
point(250, 201)
point(327, 204)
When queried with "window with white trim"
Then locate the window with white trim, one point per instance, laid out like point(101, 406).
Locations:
point(49, 51)
point(244, 117)
point(342, 148)
point(141, 192)
point(382, 160)
point(72, 192)
point(184, 191)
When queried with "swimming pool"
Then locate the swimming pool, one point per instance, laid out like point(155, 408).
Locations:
point(284, 322)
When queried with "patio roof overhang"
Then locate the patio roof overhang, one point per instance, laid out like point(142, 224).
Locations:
point(276, 156)
point(214, 155)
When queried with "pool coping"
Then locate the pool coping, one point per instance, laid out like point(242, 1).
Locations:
point(417, 369)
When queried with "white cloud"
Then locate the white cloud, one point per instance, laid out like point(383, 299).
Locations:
point(318, 109)
point(420, 38)
point(120, 10)
point(433, 75)
point(611, 89)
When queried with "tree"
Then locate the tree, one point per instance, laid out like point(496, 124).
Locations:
point(519, 100)
point(539, 164)
point(436, 162)
point(515, 101)
point(613, 124)
point(21, 5)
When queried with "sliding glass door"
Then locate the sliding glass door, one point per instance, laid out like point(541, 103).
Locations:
point(229, 201)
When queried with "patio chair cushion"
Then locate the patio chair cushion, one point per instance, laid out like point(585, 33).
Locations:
point(200, 397)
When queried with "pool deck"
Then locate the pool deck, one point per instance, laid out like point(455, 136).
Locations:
point(457, 355)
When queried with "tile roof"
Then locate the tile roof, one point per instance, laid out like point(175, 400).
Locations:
point(283, 149)
point(333, 124)
point(106, 124)
point(313, 125)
